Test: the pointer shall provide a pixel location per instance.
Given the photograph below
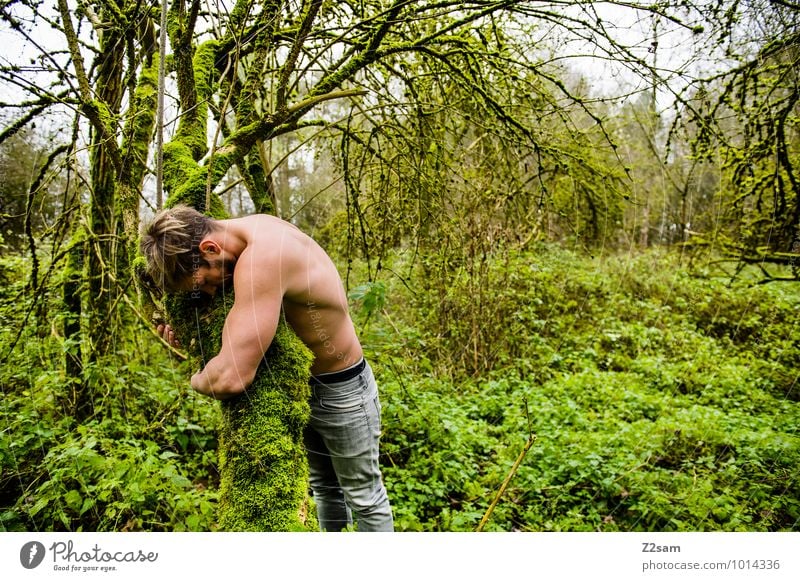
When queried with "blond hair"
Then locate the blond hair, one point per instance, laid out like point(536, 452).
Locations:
point(171, 245)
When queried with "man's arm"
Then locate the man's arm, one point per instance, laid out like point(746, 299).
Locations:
point(248, 331)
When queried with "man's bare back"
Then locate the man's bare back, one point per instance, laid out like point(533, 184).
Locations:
point(314, 300)
point(273, 266)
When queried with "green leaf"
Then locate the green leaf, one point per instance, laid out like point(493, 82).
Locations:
point(88, 504)
point(73, 500)
point(372, 296)
point(181, 481)
point(38, 506)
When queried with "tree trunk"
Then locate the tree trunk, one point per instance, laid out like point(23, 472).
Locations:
point(263, 466)
point(102, 262)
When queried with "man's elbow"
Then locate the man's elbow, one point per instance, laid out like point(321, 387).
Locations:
point(222, 386)
point(232, 385)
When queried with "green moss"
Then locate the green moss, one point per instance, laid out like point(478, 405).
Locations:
point(192, 127)
point(187, 181)
point(103, 112)
point(174, 24)
point(178, 165)
point(263, 466)
point(193, 191)
point(140, 123)
point(204, 69)
point(183, 176)
point(258, 183)
point(191, 133)
point(138, 264)
point(262, 459)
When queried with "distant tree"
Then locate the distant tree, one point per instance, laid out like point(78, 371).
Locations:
point(745, 123)
point(30, 170)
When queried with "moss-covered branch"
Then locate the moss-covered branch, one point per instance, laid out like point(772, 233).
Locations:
point(189, 181)
point(181, 31)
point(97, 111)
point(138, 134)
point(184, 177)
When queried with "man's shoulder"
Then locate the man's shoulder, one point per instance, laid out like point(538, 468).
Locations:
point(266, 223)
point(270, 240)
point(260, 218)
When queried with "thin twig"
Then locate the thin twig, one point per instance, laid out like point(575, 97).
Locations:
point(503, 486)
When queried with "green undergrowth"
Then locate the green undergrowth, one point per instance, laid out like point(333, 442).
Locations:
point(661, 400)
point(146, 461)
point(146, 458)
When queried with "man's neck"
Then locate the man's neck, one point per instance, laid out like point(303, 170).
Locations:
point(231, 236)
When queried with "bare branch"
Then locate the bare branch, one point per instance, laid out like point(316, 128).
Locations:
point(291, 60)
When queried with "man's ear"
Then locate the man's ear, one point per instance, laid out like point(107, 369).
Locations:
point(208, 246)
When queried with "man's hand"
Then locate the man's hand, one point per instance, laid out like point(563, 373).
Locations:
point(168, 335)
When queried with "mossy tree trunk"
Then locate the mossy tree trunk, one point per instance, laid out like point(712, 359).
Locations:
point(263, 466)
point(100, 262)
point(262, 459)
point(102, 238)
point(100, 102)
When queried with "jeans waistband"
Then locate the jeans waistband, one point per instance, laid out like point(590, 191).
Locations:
point(338, 376)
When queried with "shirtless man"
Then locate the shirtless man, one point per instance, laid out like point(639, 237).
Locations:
point(272, 265)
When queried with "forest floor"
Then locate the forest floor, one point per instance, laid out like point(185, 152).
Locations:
point(662, 396)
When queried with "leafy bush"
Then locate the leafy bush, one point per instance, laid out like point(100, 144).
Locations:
point(145, 461)
point(94, 482)
point(660, 401)
point(147, 468)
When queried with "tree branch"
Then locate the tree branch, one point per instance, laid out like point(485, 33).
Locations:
point(96, 111)
point(294, 52)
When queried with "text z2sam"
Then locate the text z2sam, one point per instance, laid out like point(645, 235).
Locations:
point(654, 548)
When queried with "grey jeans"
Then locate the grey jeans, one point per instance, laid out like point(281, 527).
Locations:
point(342, 443)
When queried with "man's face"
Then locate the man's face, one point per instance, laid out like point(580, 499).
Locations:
point(210, 275)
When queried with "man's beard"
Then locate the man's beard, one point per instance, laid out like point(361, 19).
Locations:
point(226, 267)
